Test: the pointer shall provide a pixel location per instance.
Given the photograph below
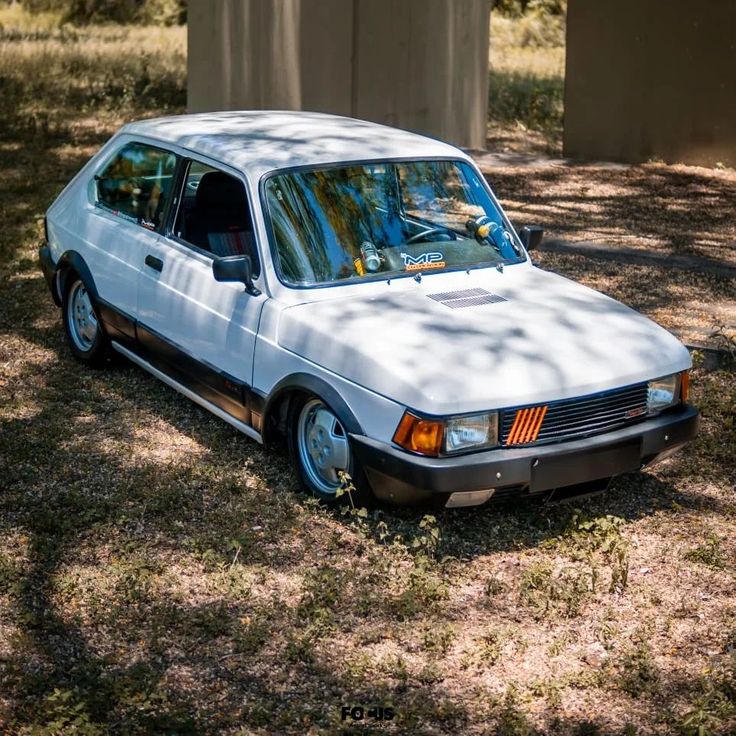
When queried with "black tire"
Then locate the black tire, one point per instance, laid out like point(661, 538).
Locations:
point(356, 488)
point(87, 340)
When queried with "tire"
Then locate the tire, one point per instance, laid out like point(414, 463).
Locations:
point(87, 341)
point(320, 448)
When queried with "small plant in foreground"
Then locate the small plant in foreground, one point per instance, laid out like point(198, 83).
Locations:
point(512, 721)
point(494, 586)
point(639, 674)
point(603, 535)
point(710, 553)
point(321, 592)
point(438, 638)
point(565, 590)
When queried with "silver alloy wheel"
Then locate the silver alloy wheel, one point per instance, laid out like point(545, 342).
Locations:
point(323, 446)
point(81, 316)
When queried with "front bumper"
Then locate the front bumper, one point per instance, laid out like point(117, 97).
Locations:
point(49, 271)
point(400, 477)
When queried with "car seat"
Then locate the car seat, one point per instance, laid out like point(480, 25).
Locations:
point(220, 220)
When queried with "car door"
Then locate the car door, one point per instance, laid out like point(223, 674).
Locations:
point(200, 331)
point(128, 198)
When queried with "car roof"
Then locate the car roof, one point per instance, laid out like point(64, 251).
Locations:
point(260, 141)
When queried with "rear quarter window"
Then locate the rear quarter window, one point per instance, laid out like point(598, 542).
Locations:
point(137, 183)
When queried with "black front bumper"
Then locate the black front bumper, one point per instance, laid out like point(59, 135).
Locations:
point(400, 477)
point(49, 271)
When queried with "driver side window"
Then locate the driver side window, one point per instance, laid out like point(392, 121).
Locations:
point(214, 214)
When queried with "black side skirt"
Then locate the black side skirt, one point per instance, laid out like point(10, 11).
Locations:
point(217, 387)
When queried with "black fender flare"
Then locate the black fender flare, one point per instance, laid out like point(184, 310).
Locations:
point(307, 383)
point(72, 261)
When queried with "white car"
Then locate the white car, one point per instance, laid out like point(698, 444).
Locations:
point(358, 292)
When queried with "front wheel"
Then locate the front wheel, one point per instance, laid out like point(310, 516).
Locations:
point(320, 449)
point(86, 338)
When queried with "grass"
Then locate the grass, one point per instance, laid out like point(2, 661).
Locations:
point(526, 84)
point(159, 573)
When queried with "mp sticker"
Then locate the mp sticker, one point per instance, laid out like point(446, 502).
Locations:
point(423, 261)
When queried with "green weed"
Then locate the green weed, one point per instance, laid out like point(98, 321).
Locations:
point(639, 674)
point(709, 554)
point(565, 590)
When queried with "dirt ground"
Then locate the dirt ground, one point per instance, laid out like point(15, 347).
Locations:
point(653, 208)
point(159, 573)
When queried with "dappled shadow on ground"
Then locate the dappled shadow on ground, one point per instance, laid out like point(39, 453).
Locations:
point(159, 574)
point(159, 583)
point(667, 209)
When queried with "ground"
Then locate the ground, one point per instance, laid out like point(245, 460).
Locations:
point(159, 573)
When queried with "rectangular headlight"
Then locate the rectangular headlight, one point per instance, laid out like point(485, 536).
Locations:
point(437, 436)
point(663, 393)
point(471, 432)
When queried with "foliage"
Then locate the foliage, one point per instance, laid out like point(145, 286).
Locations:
point(83, 12)
point(49, 73)
point(526, 99)
point(639, 674)
point(526, 82)
point(517, 8)
point(564, 591)
point(710, 553)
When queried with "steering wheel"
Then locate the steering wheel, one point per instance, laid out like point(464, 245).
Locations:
point(432, 231)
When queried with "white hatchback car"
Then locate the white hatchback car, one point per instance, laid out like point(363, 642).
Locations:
point(358, 291)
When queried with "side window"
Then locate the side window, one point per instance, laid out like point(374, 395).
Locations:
point(137, 183)
point(214, 215)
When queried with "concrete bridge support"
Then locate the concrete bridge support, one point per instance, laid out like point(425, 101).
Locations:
point(417, 64)
point(651, 79)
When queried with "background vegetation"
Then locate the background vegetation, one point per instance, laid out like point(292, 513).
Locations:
point(160, 574)
point(83, 12)
point(527, 76)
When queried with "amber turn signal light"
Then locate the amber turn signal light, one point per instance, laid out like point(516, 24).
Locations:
point(423, 436)
point(684, 386)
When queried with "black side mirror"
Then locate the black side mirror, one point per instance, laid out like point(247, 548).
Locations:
point(531, 236)
point(235, 268)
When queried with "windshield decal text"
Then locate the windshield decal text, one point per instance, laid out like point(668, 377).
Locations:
point(423, 261)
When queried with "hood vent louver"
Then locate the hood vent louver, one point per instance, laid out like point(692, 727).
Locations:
point(466, 298)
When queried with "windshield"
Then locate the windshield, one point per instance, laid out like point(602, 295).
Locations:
point(380, 220)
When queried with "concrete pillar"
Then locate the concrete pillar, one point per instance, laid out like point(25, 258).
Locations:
point(416, 64)
point(651, 79)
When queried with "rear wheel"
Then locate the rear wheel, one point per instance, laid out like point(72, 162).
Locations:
point(320, 448)
point(86, 338)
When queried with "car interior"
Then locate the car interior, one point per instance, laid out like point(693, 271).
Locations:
point(214, 215)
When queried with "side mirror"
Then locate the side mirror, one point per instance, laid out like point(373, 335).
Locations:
point(531, 236)
point(235, 268)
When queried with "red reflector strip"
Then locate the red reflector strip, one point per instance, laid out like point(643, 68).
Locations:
point(526, 426)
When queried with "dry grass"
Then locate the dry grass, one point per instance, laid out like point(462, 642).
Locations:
point(527, 72)
point(159, 573)
point(657, 209)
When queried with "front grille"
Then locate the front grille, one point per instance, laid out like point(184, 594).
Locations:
point(582, 417)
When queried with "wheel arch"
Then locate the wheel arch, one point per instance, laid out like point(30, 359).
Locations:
point(72, 262)
point(277, 403)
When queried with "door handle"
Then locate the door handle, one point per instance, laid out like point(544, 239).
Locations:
point(155, 263)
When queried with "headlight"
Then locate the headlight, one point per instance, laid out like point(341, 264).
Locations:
point(447, 436)
point(663, 393)
point(479, 430)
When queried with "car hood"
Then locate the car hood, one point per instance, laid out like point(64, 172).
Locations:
point(550, 338)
